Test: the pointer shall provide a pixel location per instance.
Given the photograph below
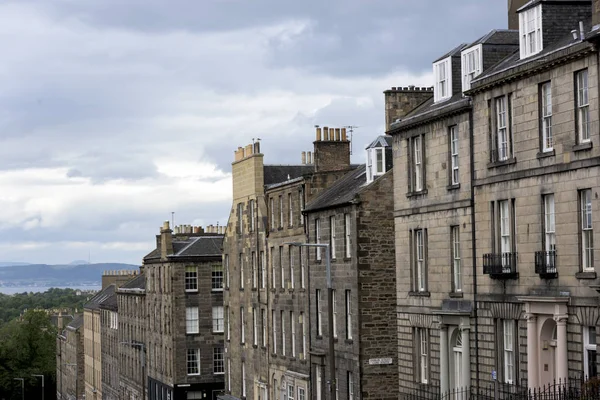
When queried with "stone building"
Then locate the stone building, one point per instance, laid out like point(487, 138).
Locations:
point(354, 216)
point(92, 343)
point(184, 298)
point(433, 217)
point(110, 348)
point(537, 178)
point(502, 155)
point(70, 366)
point(266, 283)
point(131, 331)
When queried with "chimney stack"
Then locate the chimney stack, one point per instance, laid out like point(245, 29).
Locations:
point(303, 157)
point(332, 153)
point(166, 241)
point(513, 17)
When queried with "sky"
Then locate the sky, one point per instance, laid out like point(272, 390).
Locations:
point(114, 114)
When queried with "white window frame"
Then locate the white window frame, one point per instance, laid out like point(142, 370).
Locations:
point(348, 314)
point(369, 165)
point(318, 238)
point(193, 356)
point(471, 65)
point(254, 271)
point(218, 360)
point(508, 326)
point(420, 267)
point(418, 163)
point(442, 73)
point(583, 106)
point(347, 231)
point(549, 223)
point(243, 379)
point(379, 160)
point(546, 116)
point(229, 375)
point(274, 328)
point(303, 336)
point(192, 323)
point(281, 267)
point(263, 270)
point(263, 315)
point(332, 236)
point(301, 196)
point(283, 338)
point(226, 261)
point(290, 392)
point(290, 211)
point(228, 323)
point(302, 268)
point(505, 234)
point(293, 336)
point(423, 354)
point(291, 261)
point(217, 278)
point(334, 306)
point(455, 177)
point(530, 31)
point(502, 129)
point(350, 386)
point(587, 243)
point(241, 262)
point(319, 385)
point(588, 346)
point(456, 261)
point(254, 328)
point(242, 326)
point(217, 319)
point(191, 278)
point(272, 213)
point(273, 267)
point(301, 393)
point(251, 217)
point(280, 211)
point(319, 305)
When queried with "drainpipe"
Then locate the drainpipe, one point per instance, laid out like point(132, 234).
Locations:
point(473, 243)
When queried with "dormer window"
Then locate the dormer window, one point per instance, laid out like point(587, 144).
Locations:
point(443, 80)
point(471, 60)
point(377, 159)
point(530, 31)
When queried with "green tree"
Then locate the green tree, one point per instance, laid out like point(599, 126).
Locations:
point(27, 346)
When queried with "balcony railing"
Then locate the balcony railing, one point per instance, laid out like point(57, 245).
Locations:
point(545, 264)
point(500, 265)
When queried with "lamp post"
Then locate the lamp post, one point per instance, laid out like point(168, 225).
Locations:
point(142, 348)
point(40, 376)
point(332, 374)
point(22, 387)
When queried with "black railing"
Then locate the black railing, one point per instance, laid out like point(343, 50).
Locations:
point(500, 265)
point(572, 389)
point(545, 264)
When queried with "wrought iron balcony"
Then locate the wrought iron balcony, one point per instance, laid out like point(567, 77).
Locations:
point(545, 264)
point(500, 265)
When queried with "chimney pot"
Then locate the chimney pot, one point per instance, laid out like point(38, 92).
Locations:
point(325, 133)
point(318, 138)
point(337, 134)
point(166, 225)
point(303, 157)
point(344, 137)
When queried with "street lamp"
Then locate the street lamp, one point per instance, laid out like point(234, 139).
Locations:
point(22, 387)
point(40, 376)
point(142, 347)
point(329, 310)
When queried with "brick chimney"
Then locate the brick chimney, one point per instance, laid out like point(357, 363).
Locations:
point(513, 17)
point(399, 101)
point(331, 150)
point(166, 241)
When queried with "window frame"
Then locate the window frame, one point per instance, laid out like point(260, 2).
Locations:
point(334, 309)
point(242, 326)
point(454, 155)
point(254, 328)
point(274, 329)
point(589, 364)
point(545, 116)
point(586, 230)
point(217, 278)
point(254, 270)
point(189, 320)
point(318, 238)
point(318, 306)
point(347, 238)
point(283, 332)
point(442, 73)
point(422, 348)
point(332, 236)
point(456, 261)
point(281, 267)
point(195, 353)
point(471, 61)
point(509, 346)
point(416, 165)
point(293, 333)
point(291, 265)
point(218, 320)
point(348, 304)
point(241, 262)
point(549, 222)
point(263, 269)
point(419, 260)
point(218, 359)
point(290, 211)
point(263, 317)
point(530, 32)
point(281, 212)
point(191, 278)
point(251, 216)
point(582, 106)
point(272, 213)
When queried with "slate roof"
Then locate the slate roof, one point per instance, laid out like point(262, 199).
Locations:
point(454, 52)
point(139, 282)
point(281, 173)
point(427, 111)
point(192, 246)
point(513, 62)
point(380, 141)
point(495, 37)
point(535, 2)
point(76, 323)
point(94, 303)
point(110, 303)
point(343, 191)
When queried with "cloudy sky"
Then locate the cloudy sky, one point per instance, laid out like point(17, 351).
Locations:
point(115, 113)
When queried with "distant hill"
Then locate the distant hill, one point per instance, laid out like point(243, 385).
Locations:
point(66, 274)
point(10, 263)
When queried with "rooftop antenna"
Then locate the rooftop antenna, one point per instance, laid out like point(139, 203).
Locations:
point(351, 130)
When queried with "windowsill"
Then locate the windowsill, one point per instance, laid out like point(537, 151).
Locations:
point(292, 358)
point(456, 295)
point(454, 186)
point(193, 374)
point(302, 290)
point(218, 373)
point(218, 332)
point(191, 290)
point(419, 294)
point(346, 259)
point(335, 339)
point(415, 194)
point(303, 361)
point(291, 290)
point(192, 333)
point(582, 146)
point(586, 275)
point(273, 290)
point(254, 289)
point(254, 346)
point(241, 289)
point(280, 228)
point(495, 164)
point(290, 226)
point(281, 290)
point(217, 290)
point(318, 261)
point(544, 154)
point(263, 347)
point(349, 341)
point(319, 337)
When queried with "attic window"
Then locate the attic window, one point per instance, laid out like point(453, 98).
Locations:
point(443, 80)
point(471, 65)
point(530, 31)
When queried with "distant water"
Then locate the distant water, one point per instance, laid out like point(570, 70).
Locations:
point(21, 289)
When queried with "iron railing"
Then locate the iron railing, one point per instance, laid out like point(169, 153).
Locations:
point(545, 264)
point(500, 265)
